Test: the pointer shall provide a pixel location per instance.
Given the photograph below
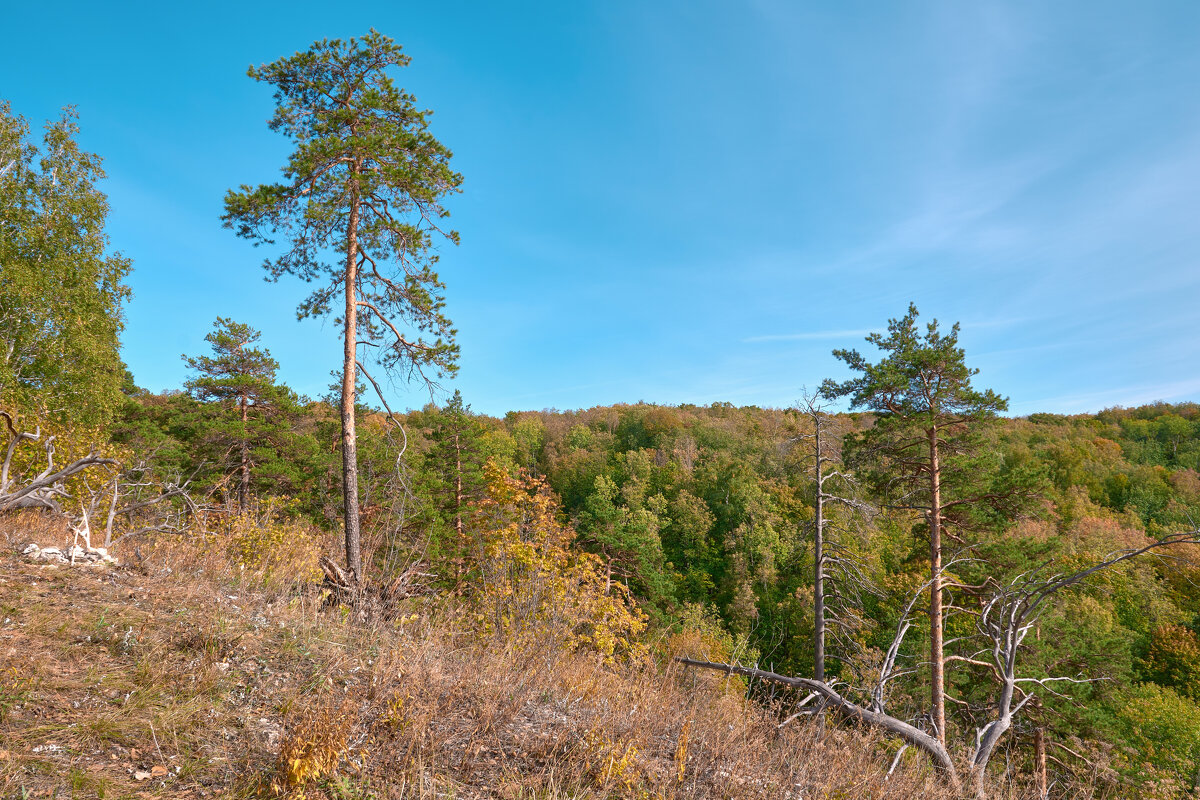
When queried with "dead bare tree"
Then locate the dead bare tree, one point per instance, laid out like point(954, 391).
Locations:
point(1003, 621)
point(130, 493)
point(848, 579)
point(147, 504)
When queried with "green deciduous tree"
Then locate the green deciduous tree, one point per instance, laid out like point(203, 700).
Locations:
point(360, 206)
point(622, 525)
point(61, 291)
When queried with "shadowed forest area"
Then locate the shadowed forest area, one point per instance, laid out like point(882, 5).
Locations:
point(230, 589)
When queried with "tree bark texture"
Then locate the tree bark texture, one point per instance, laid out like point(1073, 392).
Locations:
point(819, 569)
point(244, 489)
point(349, 378)
point(937, 662)
point(1039, 746)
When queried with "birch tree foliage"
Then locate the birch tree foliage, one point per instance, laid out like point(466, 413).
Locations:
point(61, 290)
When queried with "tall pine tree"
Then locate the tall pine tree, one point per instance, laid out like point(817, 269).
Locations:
point(919, 454)
point(360, 205)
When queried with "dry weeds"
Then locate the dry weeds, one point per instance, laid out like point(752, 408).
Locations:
point(182, 674)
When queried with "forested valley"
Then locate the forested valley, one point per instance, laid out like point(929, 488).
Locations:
point(892, 588)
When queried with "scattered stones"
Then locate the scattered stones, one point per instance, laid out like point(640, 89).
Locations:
point(269, 731)
point(79, 556)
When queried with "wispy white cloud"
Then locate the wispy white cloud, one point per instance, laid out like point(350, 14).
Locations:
point(805, 336)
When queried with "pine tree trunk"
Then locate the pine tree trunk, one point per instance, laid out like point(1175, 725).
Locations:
point(458, 487)
point(459, 540)
point(349, 379)
point(936, 658)
point(819, 570)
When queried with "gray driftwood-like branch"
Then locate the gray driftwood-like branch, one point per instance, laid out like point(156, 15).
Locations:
point(1006, 618)
point(1003, 621)
point(145, 503)
point(130, 493)
point(846, 707)
point(44, 490)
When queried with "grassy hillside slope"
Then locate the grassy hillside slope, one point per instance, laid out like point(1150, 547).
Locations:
point(182, 674)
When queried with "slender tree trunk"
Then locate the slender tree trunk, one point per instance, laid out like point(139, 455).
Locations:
point(819, 568)
point(349, 379)
point(1039, 746)
point(459, 539)
point(936, 657)
point(112, 513)
point(458, 486)
point(244, 489)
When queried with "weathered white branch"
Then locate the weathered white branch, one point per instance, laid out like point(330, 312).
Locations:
point(42, 490)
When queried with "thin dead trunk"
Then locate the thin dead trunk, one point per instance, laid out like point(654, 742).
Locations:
point(349, 377)
point(936, 656)
point(819, 568)
point(1039, 748)
point(244, 489)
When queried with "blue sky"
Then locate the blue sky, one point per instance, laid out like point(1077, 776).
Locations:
point(688, 202)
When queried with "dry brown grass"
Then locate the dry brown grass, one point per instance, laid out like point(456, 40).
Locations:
point(184, 674)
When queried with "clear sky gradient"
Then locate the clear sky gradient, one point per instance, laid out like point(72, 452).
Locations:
point(687, 202)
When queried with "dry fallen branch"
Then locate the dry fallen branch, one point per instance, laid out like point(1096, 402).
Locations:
point(45, 489)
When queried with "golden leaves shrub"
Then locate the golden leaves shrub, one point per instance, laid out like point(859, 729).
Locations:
point(611, 764)
point(530, 582)
point(312, 748)
point(271, 544)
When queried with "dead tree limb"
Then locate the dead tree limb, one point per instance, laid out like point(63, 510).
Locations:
point(847, 708)
point(1004, 620)
point(45, 489)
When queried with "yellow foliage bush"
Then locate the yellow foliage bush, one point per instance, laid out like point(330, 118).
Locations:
point(271, 544)
point(312, 749)
point(610, 762)
point(530, 582)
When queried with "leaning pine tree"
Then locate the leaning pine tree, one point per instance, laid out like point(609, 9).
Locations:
point(359, 209)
